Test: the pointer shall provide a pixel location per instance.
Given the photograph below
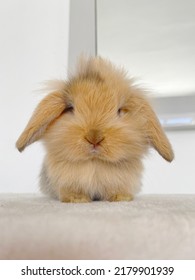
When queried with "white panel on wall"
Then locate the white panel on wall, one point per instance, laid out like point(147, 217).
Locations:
point(33, 48)
point(153, 39)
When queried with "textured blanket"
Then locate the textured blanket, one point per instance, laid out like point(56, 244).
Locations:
point(150, 227)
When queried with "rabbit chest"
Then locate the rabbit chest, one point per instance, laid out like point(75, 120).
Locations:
point(93, 177)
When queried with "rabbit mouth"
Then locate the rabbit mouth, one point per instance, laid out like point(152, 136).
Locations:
point(94, 151)
point(95, 148)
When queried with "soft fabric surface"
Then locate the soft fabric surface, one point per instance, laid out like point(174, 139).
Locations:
point(150, 227)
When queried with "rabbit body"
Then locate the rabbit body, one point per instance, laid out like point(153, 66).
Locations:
point(91, 180)
point(96, 129)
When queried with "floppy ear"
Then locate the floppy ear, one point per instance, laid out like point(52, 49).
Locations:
point(47, 111)
point(155, 133)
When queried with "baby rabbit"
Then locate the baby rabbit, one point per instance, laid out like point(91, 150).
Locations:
point(96, 128)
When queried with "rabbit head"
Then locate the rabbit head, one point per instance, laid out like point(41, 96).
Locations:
point(98, 114)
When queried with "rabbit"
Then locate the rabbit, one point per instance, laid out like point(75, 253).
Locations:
point(96, 128)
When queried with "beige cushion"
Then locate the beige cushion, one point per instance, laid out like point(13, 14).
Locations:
point(150, 227)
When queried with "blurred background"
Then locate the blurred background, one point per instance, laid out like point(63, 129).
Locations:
point(154, 40)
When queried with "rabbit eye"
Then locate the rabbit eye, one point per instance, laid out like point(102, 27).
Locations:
point(119, 111)
point(69, 108)
point(122, 111)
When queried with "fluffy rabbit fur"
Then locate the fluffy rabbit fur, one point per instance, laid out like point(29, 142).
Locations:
point(96, 128)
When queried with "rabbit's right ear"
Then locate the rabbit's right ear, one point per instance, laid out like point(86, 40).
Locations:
point(47, 111)
point(155, 133)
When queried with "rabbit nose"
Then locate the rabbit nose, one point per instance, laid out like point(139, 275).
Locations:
point(94, 137)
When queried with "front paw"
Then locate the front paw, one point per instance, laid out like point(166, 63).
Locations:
point(120, 197)
point(71, 197)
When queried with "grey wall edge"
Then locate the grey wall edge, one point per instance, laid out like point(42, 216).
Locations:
point(82, 31)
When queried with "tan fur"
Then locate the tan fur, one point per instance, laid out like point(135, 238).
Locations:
point(95, 150)
point(48, 110)
point(66, 195)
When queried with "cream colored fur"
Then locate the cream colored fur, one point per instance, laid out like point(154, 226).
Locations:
point(96, 128)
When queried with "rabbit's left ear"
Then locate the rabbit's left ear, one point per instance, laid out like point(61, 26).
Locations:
point(155, 133)
point(47, 111)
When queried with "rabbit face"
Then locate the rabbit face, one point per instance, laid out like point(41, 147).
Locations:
point(98, 123)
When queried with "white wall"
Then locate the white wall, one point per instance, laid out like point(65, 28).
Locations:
point(177, 176)
point(33, 48)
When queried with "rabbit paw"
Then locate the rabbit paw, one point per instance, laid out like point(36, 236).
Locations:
point(120, 197)
point(66, 196)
